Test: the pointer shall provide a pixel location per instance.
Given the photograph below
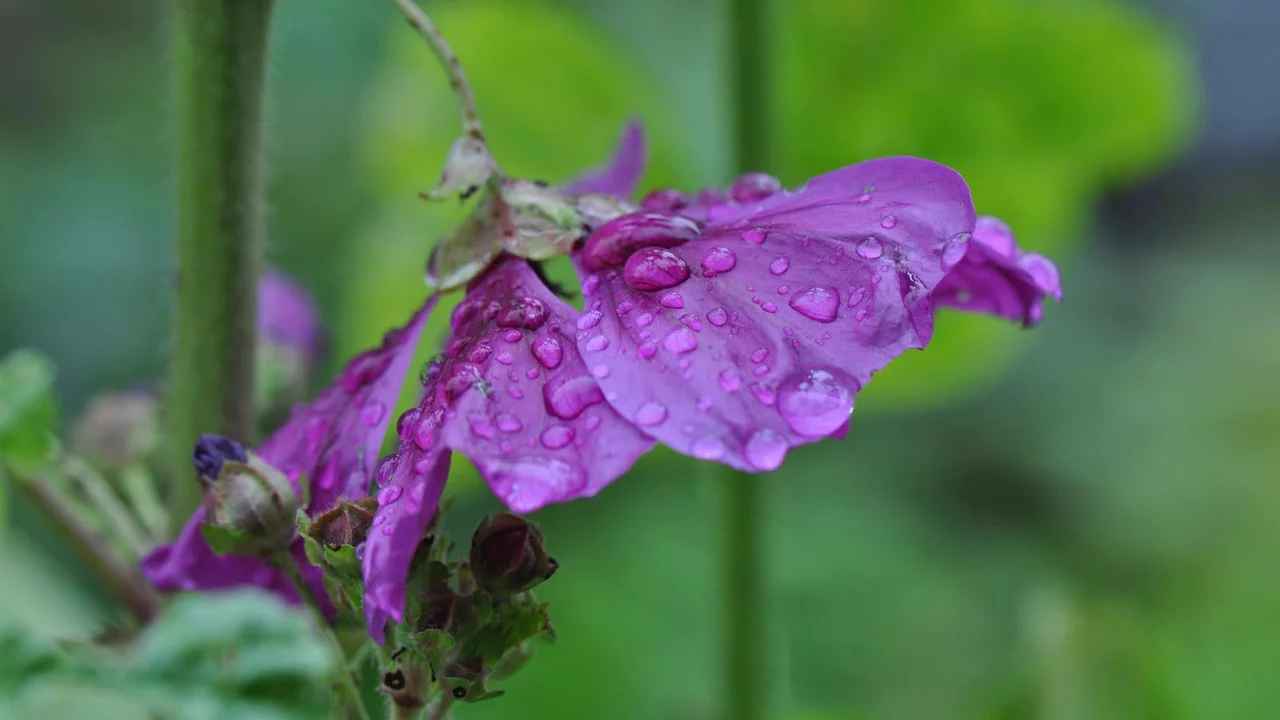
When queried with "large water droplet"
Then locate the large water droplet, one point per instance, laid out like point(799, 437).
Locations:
point(614, 242)
point(816, 402)
point(557, 436)
point(869, 248)
point(779, 265)
point(654, 268)
point(480, 352)
point(765, 450)
point(671, 299)
point(389, 495)
point(817, 303)
point(404, 425)
point(717, 317)
point(386, 468)
point(753, 187)
point(769, 306)
point(528, 313)
point(651, 413)
point(680, 340)
point(888, 222)
point(548, 352)
point(954, 251)
point(719, 260)
point(566, 396)
point(754, 235)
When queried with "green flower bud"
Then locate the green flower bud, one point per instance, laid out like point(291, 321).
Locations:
point(466, 170)
point(544, 223)
point(249, 505)
point(507, 555)
point(117, 429)
point(346, 523)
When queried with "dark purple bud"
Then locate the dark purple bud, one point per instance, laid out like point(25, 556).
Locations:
point(508, 556)
point(213, 450)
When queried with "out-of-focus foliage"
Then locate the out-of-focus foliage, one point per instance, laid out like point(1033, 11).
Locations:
point(28, 410)
point(240, 655)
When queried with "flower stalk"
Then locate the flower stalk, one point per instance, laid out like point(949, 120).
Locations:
point(744, 587)
point(220, 52)
point(457, 77)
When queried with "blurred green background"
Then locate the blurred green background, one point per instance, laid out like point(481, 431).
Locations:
point(1072, 523)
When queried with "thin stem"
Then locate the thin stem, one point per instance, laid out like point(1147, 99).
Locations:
point(457, 78)
point(121, 580)
point(347, 690)
point(220, 53)
point(744, 587)
point(108, 504)
point(439, 710)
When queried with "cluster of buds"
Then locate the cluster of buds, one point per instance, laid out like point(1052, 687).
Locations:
point(469, 622)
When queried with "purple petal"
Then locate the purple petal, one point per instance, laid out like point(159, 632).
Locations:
point(334, 441)
point(286, 314)
point(796, 299)
point(997, 278)
point(623, 172)
point(406, 504)
point(524, 404)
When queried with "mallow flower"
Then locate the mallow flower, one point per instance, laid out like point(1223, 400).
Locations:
point(728, 325)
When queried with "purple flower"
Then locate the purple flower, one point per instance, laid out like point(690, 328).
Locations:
point(730, 326)
point(333, 440)
point(287, 316)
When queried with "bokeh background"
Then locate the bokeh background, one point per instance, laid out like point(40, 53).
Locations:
point(1076, 522)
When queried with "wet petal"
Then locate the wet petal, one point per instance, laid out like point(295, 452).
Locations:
point(523, 403)
point(623, 172)
point(406, 504)
point(333, 440)
point(997, 278)
point(765, 350)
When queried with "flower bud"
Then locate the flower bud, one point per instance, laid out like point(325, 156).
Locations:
point(507, 555)
point(544, 223)
point(117, 429)
point(249, 505)
point(346, 523)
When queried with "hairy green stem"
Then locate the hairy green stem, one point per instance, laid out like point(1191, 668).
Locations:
point(744, 650)
point(457, 77)
point(346, 690)
point(220, 54)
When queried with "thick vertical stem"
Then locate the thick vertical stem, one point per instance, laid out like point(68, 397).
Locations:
point(745, 653)
point(220, 53)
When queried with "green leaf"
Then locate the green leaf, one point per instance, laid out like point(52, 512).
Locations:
point(242, 654)
point(343, 561)
point(24, 663)
point(28, 410)
point(224, 541)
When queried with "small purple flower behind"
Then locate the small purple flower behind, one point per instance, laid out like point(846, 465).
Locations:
point(731, 326)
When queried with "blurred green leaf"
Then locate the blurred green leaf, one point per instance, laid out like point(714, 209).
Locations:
point(24, 661)
point(1039, 106)
point(28, 410)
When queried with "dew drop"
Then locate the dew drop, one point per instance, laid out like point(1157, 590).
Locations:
point(505, 357)
point(600, 371)
point(680, 340)
point(482, 427)
point(719, 260)
point(373, 413)
point(654, 268)
point(869, 248)
point(765, 395)
point(531, 373)
point(817, 303)
point(857, 296)
point(717, 317)
point(597, 343)
point(548, 352)
point(765, 450)
point(954, 251)
point(480, 352)
point(624, 307)
point(671, 299)
point(556, 437)
point(592, 422)
point(650, 414)
point(779, 265)
point(888, 222)
point(389, 495)
point(759, 355)
point(589, 320)
point(647, 349)
point(784, 289)
point(512, 336)
point(816, 402)
point(644, 319)
point(769, 307)
point(730, 381)
point(754, 236)
point(385, 469)
point(707, 448)
point(692, 322)
point(509, 423)
point(404, 425)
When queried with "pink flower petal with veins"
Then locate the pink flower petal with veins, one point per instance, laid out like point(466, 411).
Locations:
point(997, 278)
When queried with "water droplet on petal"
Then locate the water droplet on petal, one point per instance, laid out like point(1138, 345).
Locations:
point(779, 265)
point(754, 235)
point(954, 251)
point(765, 450)
point(531, 373)
point(888, 222)
point(389, 495)
point(512, 336)
point(651, 413)
point(386, 468)
point(719, 260)
point(515, 392)
point(597, 343)
point(769, 307)
point(481, 426)
point(614, 242)
point(404, 425)
point(505, 357)
point(730, 381)
point(557, 436)
point(592, 422)
point(600, 371)
point(869, 248)
point(548, 352)
point(817, 303)
point(624, 307)
point(717, 317)
point(753, 187)
point(589, 320)
point(816, 402)
point(692, 322)
point(680, 340)
point(643, 319)
point(707, 448)
point(759, 355)
point(509, 423)
point(857, 297)
point(647, 349)
point(765, 395)
point(528, 313)
point(654, 268)
point(480, 352)
point(373, 413)
point(671, 299)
